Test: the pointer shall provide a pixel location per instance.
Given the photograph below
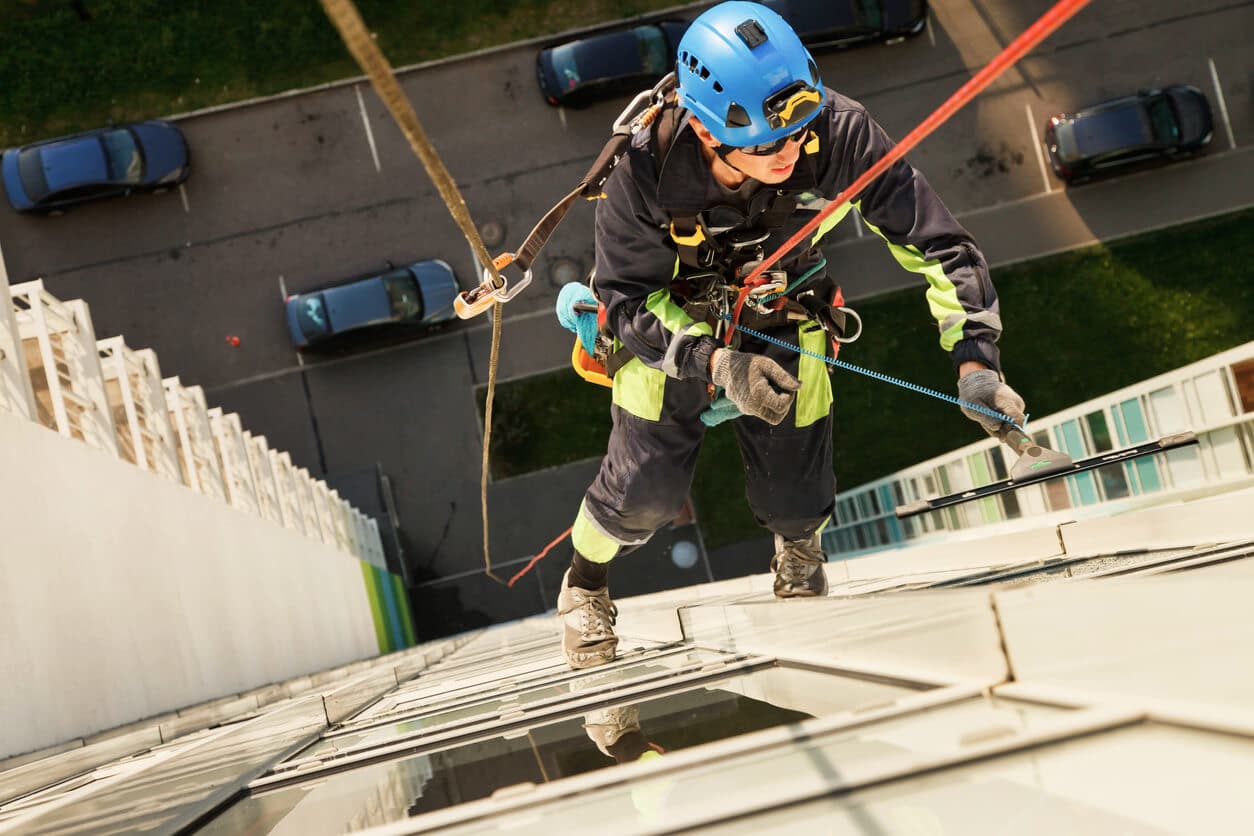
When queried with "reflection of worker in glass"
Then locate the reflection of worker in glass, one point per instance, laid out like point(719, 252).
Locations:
point(616, 732)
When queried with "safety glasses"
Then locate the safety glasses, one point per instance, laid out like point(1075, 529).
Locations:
point(766, 149)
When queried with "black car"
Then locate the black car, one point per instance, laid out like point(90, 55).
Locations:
point(841, 23)
point(51, 175)
point(1152, 126)
point(577, 73)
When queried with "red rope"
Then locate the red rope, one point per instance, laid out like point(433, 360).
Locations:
point(542, 553)
point(1033, 35)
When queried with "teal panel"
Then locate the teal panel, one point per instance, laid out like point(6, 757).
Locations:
point(1147, 472)
point(1133, 421)
point(1081, 487)
point(894, 530)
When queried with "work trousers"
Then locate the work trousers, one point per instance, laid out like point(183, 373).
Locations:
point(647, 471)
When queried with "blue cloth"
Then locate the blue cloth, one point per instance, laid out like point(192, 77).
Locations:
point(583, 323)
point(722, 409)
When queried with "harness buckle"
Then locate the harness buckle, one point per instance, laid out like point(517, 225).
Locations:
point(470, 303)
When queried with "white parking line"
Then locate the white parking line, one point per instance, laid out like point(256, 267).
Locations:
point(374, 152)
point(561, 114)
point(857, 222)
point(1223, 106)
point(282, 287)
point(931, 32)
point(1036, 144)
point(183, 195)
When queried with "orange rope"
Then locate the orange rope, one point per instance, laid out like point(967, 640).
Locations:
point(542, 553)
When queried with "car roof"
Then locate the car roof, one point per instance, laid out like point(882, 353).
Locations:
point(74, 161)
point(1120, 124)
point(613, 53)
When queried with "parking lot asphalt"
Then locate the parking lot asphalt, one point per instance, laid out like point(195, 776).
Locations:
point(292, 193)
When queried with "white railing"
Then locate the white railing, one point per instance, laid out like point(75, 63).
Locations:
point(237, 473)
point(190, 418)
point(60, 352)
point(54, 372)
point(1213, 397)
point(137, 399)
point(15, 390)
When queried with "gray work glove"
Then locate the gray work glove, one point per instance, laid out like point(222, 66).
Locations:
point(758, 385)
point(986, 388)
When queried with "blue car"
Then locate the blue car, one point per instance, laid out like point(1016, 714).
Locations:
point(420, 294)
point(578, 73)
point(49, 176)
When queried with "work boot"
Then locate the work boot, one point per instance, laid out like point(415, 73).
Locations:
point(587, 619)
point(606, 726)
point(798, 567)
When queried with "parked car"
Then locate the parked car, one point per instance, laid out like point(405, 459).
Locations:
point(577, 73)
point(842, 23)
point(1121, 133)
point(51, 175)
point(418, 295)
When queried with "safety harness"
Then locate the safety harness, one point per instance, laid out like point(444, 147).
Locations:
point(712, 260)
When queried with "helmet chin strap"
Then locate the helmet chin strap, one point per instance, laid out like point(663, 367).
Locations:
point(723, 151)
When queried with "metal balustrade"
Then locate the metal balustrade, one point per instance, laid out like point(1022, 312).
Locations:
point(16, 395)
point(237, 474)
point(136, 396)
point(59, 348)
point(291, 494)
point(54, 371)
point(264, 481)
point(190, 419)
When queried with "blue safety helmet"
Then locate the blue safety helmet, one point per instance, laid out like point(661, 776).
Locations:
point(746, 75)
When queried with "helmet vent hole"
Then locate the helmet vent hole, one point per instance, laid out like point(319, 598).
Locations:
point(737, 117)
point(718, 88)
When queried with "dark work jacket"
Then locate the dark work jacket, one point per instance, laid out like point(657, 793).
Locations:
point(635, 256)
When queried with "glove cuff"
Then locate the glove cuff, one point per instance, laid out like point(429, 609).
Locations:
point(982, 351)
point(720, 372)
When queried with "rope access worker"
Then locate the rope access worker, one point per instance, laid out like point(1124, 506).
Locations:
point(759, 146)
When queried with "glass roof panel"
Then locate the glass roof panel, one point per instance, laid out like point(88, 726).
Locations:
point(1140, 781)
point(754, 779)
point(415, 695)
point(603, 737)
point(583, 684)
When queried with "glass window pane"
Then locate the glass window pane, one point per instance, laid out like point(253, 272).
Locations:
point(1141, 781)
point(761, 776)
point(604, 737)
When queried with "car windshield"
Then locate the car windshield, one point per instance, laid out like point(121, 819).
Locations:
point(125, 163)
point(30, 169)
point(565, 66)
point(311, 315)
point(655, 57)
point(1163, 120)
point(403, 296)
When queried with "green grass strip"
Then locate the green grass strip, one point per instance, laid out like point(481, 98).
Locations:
point(68, 66)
